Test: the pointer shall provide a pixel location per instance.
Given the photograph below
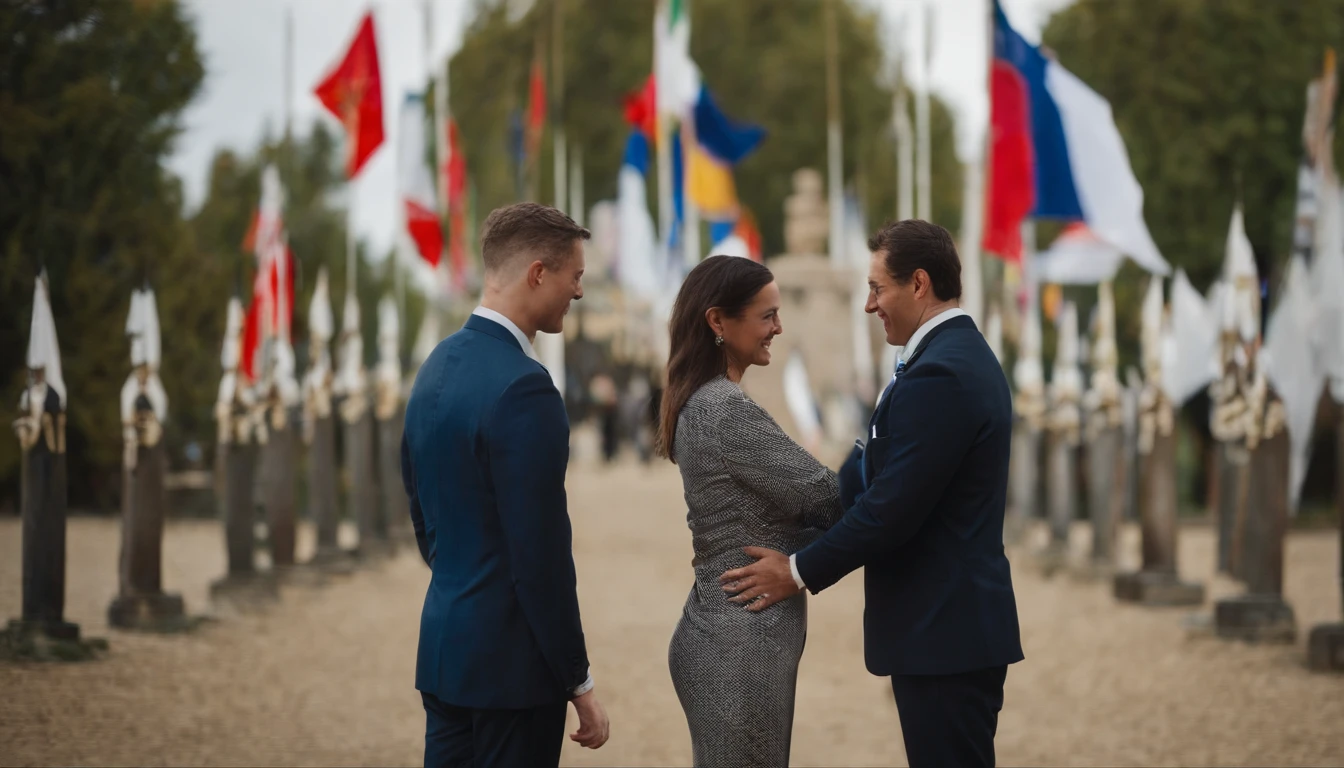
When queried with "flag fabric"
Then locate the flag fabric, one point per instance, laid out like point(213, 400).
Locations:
point(1291, 365)
point(536, 107)
point(1074, 160)
point(637, 244)
point(417, 183)
point(44, 350)
point(1077, 257)
point(353, 92)
point(720, 143)
point(641, 109)
point(678, 77)
point(271, 311)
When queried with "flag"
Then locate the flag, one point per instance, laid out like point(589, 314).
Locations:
point(353, 92)
point(637, 244)
point(1056, 153)
point(417, 183)
point(641, 109)
point(536, 107)
point(720, 143)
point(271, 311)
point(677, 76)
point(44, 350)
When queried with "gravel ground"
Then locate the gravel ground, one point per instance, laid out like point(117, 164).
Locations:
point(325, 677)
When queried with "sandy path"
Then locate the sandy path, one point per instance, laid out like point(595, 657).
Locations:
point(325, 677)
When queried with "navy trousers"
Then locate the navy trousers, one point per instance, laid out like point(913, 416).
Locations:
point(950, 719)
point(461, 737)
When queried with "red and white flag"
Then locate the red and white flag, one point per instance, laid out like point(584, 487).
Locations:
point(272, 309)
point(417, 183)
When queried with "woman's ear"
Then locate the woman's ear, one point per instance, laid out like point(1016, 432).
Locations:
point(714, 316)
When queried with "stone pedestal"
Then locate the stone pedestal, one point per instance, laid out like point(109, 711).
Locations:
point(1107, 475)
point(243, 584)
point(395, 506)
point(1256, 618)
point(27, 641)
point(1257, 552)
point(1061, 499)
point(322, 500)
point(141, 603)
point(278, 494)
point(1158, 582)
point(1233, 480)
point(1325, 648)
point(363, 504)
point(1024, 468)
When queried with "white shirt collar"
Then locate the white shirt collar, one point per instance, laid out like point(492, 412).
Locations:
point(492, 315)
point(929, 325)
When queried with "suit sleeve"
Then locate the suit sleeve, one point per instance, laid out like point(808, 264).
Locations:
point(761, 456)
point(930, 431)
point(529, 451)
point(423, 538)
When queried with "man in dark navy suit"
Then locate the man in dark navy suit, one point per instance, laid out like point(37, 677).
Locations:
point(483, 460)
point(925, 493)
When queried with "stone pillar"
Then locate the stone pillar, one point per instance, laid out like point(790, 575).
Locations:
point(1158, 581)
point(395, 504)
point(323, 505)
point(1061, 492)
point(242, 581)
point(1257, 551)
point(1233, 479)
point(1325, 645)
point(362, 502)
point(1025, 468)
point(1107, 477)
point(141, 603)
point(42, 501)
point(278, 494)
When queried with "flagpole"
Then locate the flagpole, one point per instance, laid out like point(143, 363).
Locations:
point(691, 233)
point(834, 139)
point(924, 178)
point(663, 148)
point(283, 299)
point(558, 145)
point(576, 186)
point(905, 152)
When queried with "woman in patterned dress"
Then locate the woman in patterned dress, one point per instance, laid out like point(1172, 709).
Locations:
point(746, 484)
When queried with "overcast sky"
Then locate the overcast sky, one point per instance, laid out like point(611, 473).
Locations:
point(244, 91)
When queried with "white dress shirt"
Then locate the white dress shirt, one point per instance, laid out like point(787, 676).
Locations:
point(909, 349)
point(523, 341)
point(526, 344)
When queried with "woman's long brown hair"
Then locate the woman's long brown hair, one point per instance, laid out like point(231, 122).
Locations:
point(727, 282)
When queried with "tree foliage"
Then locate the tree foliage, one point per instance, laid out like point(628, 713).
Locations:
point(91, 94)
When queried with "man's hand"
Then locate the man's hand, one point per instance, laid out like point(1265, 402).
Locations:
point(763, 583)
point(593, 726)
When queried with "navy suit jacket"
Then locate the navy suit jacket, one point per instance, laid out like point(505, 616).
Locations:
point(483, 459)
point(928, 528)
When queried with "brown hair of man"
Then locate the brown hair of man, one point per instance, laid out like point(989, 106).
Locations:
point(526, 232)
point(916, 244)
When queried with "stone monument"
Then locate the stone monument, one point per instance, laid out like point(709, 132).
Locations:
point(352, 392)
point(1105, 431)
point(236, 417)
point(1063, 428)
point(141, 602)
point(319, 434)
point(41, 632)
point(1158, 580)
point(1029, 422)
point(390, 414)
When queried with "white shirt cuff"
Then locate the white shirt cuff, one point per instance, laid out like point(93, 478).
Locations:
point(584, 688)
point(793, 568)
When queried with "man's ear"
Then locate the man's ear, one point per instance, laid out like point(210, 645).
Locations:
point(923, 284)
point(535, 271)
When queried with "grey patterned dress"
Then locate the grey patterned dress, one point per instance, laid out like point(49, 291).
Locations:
point(747, 484)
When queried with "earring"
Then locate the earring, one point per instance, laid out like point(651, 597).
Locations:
point(718, 341)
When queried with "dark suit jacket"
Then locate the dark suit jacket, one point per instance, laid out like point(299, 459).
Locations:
point(483, 460)
point(929, 526)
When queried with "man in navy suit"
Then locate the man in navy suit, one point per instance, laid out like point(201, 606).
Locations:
point(925, 495)
point(483, 460)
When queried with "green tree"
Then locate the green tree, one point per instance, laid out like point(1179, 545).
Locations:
point(91, 93)
point(1209, 96)
point(765, 62)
